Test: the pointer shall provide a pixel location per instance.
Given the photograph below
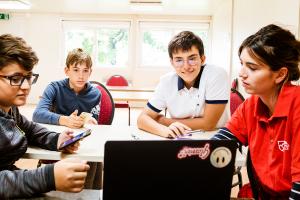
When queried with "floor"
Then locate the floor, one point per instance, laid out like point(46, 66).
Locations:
point(121, 117)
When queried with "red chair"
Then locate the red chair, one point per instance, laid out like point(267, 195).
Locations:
point(107, 106)
point(236, 98)
point(118, 80)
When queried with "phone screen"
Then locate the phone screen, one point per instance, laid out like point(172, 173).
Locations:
point(75, 139)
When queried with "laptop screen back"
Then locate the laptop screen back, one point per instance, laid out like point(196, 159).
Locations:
point(182, 169)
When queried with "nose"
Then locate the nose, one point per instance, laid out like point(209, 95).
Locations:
point(26, 84)
point(243, 72)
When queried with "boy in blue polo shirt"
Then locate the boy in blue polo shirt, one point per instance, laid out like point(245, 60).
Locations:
point(63, 101)
point(195, 95)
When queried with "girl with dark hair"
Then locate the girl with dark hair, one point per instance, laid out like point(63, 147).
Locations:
point(268, 122)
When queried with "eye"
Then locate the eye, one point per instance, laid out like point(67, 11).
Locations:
point(16, 79)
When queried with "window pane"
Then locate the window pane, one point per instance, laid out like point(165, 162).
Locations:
point(112, 47)
point(155, 48)
point(79, 39)
point(156, 36)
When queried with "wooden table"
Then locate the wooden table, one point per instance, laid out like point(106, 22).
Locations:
point(92, 147)
point(85, 194)
point(132, 96)
point(129, 89)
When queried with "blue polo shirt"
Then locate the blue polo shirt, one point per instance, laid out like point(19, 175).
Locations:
point(59, 99)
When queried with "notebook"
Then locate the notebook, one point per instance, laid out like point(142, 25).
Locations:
point(168, 169)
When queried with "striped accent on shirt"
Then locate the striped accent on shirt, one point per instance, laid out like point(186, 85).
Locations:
point(225, 134)
point(295, 191)
point(153, 108)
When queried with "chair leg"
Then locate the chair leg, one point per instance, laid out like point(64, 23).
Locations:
point(240, 179)
point(129, 115)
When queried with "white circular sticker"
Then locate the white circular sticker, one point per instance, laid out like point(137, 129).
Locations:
point(220, 157)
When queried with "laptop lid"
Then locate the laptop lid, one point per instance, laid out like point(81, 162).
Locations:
point(169, 169)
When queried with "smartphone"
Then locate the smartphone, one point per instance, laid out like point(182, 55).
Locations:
point(75, 139)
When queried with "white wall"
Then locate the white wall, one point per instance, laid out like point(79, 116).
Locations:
point(250, 16)
point(43, 31)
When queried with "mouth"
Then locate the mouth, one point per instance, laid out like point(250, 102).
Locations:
point(245, 84)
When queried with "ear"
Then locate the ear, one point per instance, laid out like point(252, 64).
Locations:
point(282, 74)
point(66, 70)
point(203, 58)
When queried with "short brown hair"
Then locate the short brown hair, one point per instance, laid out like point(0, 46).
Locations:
point(15, 50)
point(78, 56)
point(184, 41)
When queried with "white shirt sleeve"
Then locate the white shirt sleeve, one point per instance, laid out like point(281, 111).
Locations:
point(217, 86)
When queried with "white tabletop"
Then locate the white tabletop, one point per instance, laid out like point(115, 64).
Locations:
point(92, 147)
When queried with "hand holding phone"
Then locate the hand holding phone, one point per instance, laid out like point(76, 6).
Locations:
point(75, 139)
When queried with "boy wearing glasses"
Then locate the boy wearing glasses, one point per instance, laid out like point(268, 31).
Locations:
point(16, 62)
point(195, 95)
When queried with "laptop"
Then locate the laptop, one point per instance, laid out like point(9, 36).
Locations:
point(168, 169)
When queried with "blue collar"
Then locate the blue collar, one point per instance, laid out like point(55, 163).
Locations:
point(180, 82)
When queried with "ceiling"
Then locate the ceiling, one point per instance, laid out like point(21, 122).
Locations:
point(174, 7)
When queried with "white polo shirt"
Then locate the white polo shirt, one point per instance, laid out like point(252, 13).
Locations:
point(211, 87)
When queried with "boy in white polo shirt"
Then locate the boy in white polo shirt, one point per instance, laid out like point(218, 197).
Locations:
point(195, 95)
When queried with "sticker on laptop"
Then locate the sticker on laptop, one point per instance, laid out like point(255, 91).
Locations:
point(201, 152)
point(220, 157)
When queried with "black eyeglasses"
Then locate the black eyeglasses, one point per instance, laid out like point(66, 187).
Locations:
point(17, 80)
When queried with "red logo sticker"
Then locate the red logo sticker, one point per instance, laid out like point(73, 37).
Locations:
point(201, 152)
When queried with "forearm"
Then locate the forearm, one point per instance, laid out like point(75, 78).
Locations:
point(193, 123)
point(150, 125)
point(26, 183)
point(45, 116)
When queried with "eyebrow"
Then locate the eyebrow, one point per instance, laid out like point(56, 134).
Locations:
point(190, 56)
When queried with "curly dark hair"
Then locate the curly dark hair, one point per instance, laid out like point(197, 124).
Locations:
point(15, 50)
point(276, 47)
point(184, 41)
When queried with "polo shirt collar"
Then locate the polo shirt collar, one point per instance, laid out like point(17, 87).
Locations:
point(282, 106)
point(180, 82)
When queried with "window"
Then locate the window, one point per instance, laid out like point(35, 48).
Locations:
point(155, 37)
point(106, 42)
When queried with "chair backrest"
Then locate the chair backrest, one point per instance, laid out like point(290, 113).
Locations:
point(107, 106)
point(117, 80)
point(236, 98)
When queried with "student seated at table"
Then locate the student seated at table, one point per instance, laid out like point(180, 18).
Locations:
point(63, 101)
point(268, 122)
point(195, 94)
point(17, 60)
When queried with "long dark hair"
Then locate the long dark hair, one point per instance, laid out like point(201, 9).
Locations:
point(276, 47)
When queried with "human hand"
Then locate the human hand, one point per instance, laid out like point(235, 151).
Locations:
point(88, 118)
point(72, 121)
point(177, 129)
point(70, 174)
point(92, 120)
point(64, 136)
